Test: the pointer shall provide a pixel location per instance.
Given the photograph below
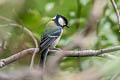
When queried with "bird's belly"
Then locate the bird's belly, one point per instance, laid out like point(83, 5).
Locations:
point(55, 42)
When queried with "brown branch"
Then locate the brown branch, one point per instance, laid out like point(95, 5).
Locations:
point(83, 53)
point(109, 56)
point(33, 38)
point(117, 12)
point(116, 76)
point(11, 22)
point(6, 19)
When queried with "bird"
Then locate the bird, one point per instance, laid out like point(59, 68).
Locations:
point(51, 36)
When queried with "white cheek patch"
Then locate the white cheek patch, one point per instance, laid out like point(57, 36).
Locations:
point(61, 22)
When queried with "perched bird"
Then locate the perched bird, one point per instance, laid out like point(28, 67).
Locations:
point(51, 36)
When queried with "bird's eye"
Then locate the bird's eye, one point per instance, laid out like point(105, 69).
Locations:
point(61, 21)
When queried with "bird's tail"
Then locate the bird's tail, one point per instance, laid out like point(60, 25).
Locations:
point(43, 58)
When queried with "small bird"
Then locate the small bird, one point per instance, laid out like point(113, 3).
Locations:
point(51, 36)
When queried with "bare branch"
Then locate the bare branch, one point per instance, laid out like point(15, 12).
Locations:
point(117, 12)
point(11, 22)
point(83, 53)
point(35, 42)
point(6, 19)
point(106, 55)
point(115, 76)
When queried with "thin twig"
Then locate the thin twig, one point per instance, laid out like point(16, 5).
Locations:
point(107, 55)
point(83, 53)
point(6, 19)
point(117, 12)
point(11, 22)
point(35, 41)
point(115, 76)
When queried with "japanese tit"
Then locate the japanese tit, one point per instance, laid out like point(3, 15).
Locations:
point(51, 36)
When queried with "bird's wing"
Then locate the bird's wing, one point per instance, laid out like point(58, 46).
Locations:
point(49, 37)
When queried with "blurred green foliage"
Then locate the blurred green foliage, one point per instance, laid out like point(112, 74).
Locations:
point(34, 14)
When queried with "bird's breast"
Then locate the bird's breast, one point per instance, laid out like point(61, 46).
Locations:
point(57, 40)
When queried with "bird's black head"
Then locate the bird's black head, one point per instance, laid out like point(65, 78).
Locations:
point(60, 21)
